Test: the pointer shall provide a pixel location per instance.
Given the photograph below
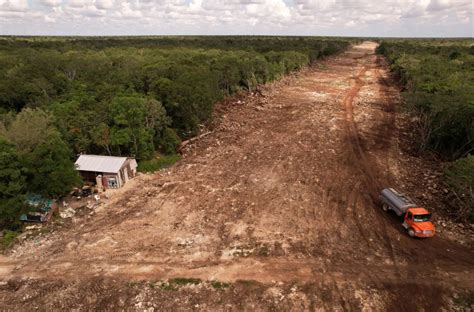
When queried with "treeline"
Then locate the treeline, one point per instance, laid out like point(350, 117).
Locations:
point(314, 47)
point(438, 76)
point(121, 96)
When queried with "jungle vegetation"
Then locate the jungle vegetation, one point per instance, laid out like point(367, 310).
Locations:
point(438, 80)
point(130, 96)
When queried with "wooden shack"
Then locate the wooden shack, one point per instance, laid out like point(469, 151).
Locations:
point(106, 171)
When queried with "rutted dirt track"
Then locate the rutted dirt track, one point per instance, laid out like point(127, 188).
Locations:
point(282, 192)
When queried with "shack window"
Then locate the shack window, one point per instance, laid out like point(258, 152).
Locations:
point(113, 183)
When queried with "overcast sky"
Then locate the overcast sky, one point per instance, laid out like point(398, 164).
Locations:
point(405, 18)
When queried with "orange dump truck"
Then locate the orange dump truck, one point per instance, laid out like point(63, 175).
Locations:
point(416, 220)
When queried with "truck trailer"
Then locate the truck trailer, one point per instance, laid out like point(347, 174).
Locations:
point(416, 219)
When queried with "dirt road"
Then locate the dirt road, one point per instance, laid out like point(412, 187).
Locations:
point(279, 201)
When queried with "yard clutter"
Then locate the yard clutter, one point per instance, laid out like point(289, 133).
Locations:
point(106, 171)
point(43, 209)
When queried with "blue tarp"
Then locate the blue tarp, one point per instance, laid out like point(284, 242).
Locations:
point(42, 205)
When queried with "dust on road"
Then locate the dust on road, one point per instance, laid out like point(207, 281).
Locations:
point(281, 193)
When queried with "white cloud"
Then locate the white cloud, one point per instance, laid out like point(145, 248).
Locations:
point(49, 19)
point(80, 3)
point(438, 5)
point(104, 4)
point(51, 3)
point(306, 17)
point(14, 5)
point(415, 8)
point(127, 10)
point(319, 5)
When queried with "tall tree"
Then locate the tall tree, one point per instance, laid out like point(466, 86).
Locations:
point(50, 169)
point(128, 130)
point(30, 128)
point(45, 157)
point(12, 186)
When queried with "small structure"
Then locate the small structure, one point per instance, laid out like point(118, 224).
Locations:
point(43, 209)
point(106, 171)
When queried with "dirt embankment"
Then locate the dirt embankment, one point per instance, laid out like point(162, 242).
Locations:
point(280, 201)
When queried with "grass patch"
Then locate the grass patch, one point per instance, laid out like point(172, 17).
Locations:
point(8, 238)
point(219, 285)
point(185, 281)
point(465, 300)
point(322, 66)
point(247, 282)
point(168, 287)
point(264, 251)
point(133, 283)
point(45, 229)
point(174, 283)
point(157, 163)
point(460, 178)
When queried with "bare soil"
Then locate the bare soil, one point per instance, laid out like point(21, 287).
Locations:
point(279, 201)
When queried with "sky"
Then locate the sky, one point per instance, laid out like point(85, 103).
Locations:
point(379, 18)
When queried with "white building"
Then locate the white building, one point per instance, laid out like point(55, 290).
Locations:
point(106, 171)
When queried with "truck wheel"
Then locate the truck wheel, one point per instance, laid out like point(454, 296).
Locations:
point(385, 207)
point(411, 232)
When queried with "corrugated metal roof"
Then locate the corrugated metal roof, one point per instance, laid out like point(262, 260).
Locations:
point(97, 163)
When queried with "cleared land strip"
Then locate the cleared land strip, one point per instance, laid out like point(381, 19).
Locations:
point(281, 191)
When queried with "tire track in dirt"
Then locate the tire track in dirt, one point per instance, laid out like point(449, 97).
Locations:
point(370, 177)
point(280, 269)
point(389, 131)
point(377, 177)
point(371, 180)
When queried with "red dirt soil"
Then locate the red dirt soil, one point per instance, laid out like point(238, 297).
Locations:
point(280, 200)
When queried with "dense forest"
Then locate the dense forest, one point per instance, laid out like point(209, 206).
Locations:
point(438, 80)
point(133, 96)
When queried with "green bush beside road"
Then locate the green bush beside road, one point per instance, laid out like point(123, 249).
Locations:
point(438, 80)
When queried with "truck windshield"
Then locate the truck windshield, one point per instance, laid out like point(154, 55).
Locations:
point(422, 217)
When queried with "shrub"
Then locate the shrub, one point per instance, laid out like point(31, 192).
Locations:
point(157, 163)
point(8, 238)
point(185, 281)
point(460, 178)
point(219, 285)
point(169, 141)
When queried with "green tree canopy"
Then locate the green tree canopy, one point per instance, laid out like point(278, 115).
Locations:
point(50, 169)
point(46, 159)
point(30, 128)
point(12, 186)
point(136, 120)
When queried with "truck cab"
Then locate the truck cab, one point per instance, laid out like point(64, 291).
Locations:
point(416, 220)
